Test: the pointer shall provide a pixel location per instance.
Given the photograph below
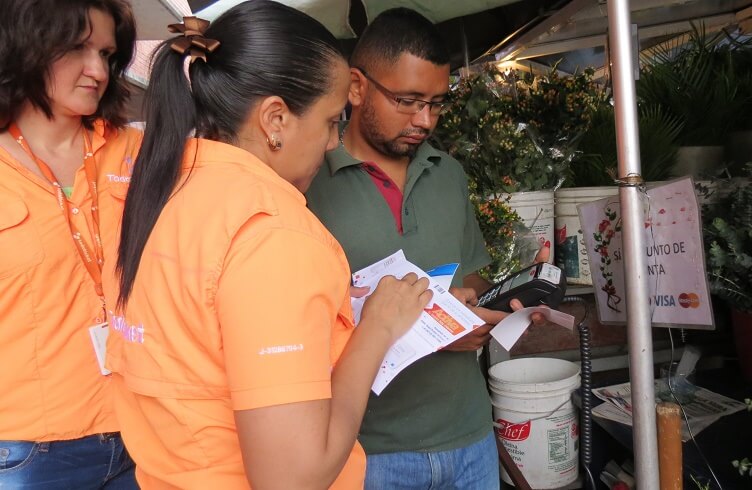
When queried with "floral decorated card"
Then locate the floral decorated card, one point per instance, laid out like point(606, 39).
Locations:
point(677, 288)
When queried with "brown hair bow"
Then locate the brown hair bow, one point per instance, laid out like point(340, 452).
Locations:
point(193, 40)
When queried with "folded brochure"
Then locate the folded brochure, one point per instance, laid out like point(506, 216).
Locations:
point(444, 320)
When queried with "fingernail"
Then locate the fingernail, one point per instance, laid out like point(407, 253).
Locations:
point(547, 244)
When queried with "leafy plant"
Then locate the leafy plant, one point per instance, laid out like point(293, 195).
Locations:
point(500, 226)
point(728, 240)
point(514, 131)
point(596, 163)
point(741, 60)
point(697, 83)
point(700, 485)
point(744, 466)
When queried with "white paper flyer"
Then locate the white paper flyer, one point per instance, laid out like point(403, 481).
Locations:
point(508, 331)
point(444, 320)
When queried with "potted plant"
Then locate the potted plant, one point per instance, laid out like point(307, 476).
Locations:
point(698, 83)
point(596, 162)
point(728, 240)
point(516, 134)
point(739, 143)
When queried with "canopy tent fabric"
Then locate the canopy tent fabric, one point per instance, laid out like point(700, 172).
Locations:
point(152, 19)
point(483, 30)
point(577, 33)
point(153, 16)
point(534, 34)
point(334, 14)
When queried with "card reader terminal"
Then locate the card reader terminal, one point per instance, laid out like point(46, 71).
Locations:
point(539, 284)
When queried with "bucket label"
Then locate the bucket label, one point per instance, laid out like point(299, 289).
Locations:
point(513, 432)
point(544, 449)
point(558, 447)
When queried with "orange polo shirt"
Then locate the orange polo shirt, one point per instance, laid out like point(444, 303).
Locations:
point(52, 388)
point(241, 301)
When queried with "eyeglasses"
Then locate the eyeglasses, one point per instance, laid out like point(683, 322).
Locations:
point(408, 105)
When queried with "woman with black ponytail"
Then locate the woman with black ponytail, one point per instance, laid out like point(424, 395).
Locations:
point(235, 356)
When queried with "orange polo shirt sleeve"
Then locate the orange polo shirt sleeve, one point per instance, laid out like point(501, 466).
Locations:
point(272, 302)
point(274, 326)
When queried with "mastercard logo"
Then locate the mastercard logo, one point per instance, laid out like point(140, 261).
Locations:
point(689, 300)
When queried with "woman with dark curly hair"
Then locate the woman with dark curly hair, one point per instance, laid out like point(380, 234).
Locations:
point(62, 97)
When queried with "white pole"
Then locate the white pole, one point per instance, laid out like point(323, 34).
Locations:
point(639, 333)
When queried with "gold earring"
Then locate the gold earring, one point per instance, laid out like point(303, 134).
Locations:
point(274, 143)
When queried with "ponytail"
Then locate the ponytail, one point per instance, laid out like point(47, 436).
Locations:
point(171, 116)
point(267, 49)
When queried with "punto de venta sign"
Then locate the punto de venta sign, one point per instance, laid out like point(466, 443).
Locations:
point(677, 284)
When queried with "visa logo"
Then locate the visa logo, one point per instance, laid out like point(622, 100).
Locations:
point(663, 300)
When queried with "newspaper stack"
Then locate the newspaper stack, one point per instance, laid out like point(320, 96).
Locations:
point(702, 407)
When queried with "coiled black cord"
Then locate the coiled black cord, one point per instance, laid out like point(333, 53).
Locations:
point(586, 385)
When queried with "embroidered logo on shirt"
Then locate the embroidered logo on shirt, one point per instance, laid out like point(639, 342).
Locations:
point(118, 178)
point(128, 160)
point(280, 349)
point(131, 333)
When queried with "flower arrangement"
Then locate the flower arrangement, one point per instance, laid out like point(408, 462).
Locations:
point(500, 226)
point(514, 131)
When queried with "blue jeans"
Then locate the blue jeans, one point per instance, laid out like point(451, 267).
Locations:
point(96, 461)
point(473, 467)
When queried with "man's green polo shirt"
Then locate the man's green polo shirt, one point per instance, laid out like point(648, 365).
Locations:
point(441, 401)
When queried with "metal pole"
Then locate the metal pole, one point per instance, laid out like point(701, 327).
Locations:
point(644, 433)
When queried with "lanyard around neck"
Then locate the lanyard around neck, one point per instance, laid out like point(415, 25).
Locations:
point(92, 259)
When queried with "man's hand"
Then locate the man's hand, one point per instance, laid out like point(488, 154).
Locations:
point(537, 318)
point(474, 285)
point(481, 335)
point(472, 341)
point(358, 291)
point(544, 253)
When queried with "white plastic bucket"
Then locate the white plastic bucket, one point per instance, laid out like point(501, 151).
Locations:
point(535, 418)
point(571, 251)
point(536, 209)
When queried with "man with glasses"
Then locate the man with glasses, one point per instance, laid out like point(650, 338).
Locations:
point(385, 189)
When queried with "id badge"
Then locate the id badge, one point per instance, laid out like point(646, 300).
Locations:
point(99, 335)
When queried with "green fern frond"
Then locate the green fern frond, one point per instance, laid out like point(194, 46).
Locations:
point(728, 240)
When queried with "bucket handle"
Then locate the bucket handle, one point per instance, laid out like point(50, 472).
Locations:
point(499, 426)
